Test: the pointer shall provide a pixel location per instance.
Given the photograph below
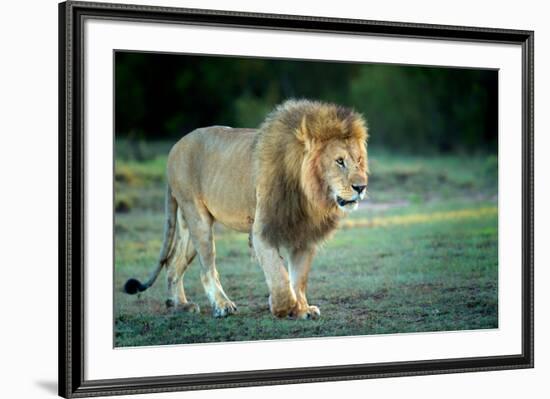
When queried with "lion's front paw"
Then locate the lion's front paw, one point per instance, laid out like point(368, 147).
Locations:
point(283, 306)
point(306, 313)
point(224, 309)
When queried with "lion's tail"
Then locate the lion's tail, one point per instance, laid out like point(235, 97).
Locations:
point(134, 286)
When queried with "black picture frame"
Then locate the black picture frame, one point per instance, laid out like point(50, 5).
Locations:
point(71, 200)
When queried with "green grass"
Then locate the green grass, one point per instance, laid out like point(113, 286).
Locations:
point(433, 268)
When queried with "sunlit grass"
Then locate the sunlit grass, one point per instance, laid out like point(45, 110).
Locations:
point(420, 255)
point(415, 218)
point(436, 276)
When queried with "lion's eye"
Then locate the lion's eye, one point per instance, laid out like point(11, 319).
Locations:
point(340, 162)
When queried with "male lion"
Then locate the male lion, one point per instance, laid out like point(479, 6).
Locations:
point(286, 184)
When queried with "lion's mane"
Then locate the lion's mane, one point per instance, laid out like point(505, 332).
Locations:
point(293, 193)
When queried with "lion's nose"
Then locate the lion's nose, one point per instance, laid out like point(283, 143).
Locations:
point(359, 188)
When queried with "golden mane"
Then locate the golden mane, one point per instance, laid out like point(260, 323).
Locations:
point(295, 209)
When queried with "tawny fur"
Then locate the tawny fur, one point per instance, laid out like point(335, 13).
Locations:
point(297, 209)
point(280, 183)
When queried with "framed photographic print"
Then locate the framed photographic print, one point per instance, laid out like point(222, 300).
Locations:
point(252, 199)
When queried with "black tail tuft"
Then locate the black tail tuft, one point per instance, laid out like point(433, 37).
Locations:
point(133, 286)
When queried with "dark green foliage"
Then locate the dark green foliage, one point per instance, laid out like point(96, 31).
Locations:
point(410, 108)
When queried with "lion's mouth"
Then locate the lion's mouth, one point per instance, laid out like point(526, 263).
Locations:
point(343, 202)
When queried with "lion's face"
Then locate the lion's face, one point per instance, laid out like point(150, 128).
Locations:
point(311, 168)
point(343, 164)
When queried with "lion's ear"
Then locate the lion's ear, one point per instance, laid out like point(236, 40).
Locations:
point(303, 135)
point(359, 129)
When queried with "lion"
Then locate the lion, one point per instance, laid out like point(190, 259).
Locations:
point(287, 184)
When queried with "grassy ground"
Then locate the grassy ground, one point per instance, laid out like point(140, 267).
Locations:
point(419, 255)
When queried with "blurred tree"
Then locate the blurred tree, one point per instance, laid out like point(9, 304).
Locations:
point(411, 108)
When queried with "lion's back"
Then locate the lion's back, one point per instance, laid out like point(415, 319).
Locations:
point(216, 164)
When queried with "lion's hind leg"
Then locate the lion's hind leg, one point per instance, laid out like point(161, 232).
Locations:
point(199, 222)
point(181, 255)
